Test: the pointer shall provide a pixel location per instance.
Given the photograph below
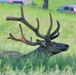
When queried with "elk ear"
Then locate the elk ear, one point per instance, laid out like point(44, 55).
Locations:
point(41, 42)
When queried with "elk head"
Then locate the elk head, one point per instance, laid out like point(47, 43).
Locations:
point(46, 44)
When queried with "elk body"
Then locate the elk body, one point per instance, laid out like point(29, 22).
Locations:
point(46, 48)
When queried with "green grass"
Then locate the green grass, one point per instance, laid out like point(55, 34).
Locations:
point(60, 64)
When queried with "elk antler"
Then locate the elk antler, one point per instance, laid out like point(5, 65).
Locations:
point(22, 39)
point(47, 37)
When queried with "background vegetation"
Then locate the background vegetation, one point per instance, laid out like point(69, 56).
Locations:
point(60, 64)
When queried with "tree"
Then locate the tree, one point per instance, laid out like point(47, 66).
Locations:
point(45, 4)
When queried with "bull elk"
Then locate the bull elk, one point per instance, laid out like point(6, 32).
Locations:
point(47, 47)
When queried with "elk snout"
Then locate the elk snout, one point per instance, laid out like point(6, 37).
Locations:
point(59, 47)
point(65, 47)
point(62, 46)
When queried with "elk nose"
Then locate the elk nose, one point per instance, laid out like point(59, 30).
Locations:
point(65, 47)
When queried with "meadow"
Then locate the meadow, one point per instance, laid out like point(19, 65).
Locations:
point(61, 64)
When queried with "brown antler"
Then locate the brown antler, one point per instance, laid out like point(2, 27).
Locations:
point(22, 39)
point(22, 19)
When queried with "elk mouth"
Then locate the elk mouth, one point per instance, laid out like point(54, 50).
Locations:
point(65, 48)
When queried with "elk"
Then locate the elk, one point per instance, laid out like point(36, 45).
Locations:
point(47, 47)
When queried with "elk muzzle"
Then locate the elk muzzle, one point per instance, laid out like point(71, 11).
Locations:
point(58, 47)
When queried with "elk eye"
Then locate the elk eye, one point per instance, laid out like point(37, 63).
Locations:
point(53, 43)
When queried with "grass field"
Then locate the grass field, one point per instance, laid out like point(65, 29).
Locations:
point(60, 64)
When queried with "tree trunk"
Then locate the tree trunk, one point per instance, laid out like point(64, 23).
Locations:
point(45, 4)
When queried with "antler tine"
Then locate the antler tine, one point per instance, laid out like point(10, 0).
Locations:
point(22, 14)
point(48, 32)
point(16, 18)
point(55, 36)
point(37, 30)
point(12, 37)
point(56, 31)
point(22, 39)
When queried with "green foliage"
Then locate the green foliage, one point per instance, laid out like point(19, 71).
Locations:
point(57, 64)
point(60, 64)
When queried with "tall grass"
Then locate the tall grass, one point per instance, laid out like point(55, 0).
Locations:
point(60, 64)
